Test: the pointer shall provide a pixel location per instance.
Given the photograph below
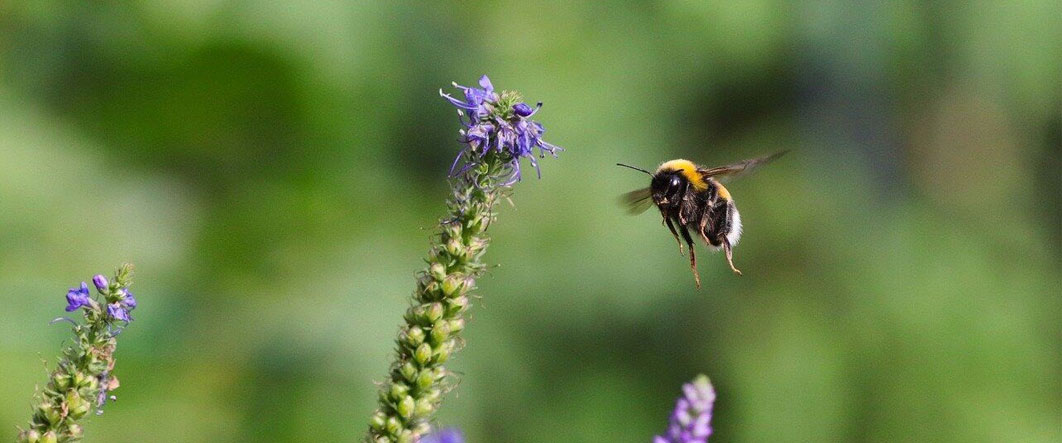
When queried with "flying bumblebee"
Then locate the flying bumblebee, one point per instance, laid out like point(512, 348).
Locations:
point(691, 197)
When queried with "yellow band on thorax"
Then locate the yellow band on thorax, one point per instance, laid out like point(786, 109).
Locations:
point(688, 169)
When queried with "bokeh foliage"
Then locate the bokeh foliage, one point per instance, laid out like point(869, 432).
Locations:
point(274, 169)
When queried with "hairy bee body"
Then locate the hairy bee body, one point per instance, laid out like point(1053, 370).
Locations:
point(692, 200)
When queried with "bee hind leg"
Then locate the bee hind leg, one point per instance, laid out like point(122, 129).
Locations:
point(693, 257)
point(730, 256)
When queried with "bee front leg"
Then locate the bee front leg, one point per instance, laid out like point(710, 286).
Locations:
point(671, 226)
point(730, 255)
point(693, 256)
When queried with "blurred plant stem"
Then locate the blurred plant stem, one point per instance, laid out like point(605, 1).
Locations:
point(430, 335)
point(82, 378)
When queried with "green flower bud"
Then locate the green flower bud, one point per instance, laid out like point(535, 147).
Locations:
point(424, 380)
point(378, 421)
point(91, 384)
point(49, 437)
point(62, 381)
point(433, 395)
point(51, 414)
point(452, 286)
point(476, 224)
point(406, 437)
point(440, 332)
point(443, 352)
point(394, 425)
point(437, 271)
point(80, 379)
point(399, 390)
point(406, 406)
point(455, 248)
point(431, 291)
point(422, 429)
point(424, 408)
point(457, 325)
point(76, 406)
point(434, 312)
point(408, 371)
point(423, 354)
point(75, 431)
point(452, 230)
point(414, 336)
point(457, 305)
point(30, 436)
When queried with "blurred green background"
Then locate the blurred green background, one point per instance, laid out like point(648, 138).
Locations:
point(274, 169)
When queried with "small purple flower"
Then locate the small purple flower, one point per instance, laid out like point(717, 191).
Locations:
point(128, 299)
point(521, 109)
point(118, 312)
point(101, 283)
point(448, 435)
point(477, 101)
point(78, 297)
point(498, 123)
point(691, 419)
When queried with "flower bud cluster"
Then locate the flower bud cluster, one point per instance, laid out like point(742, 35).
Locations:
point(82, 379)
point(434, 321)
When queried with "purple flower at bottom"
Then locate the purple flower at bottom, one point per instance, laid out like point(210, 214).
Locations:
point(448, 435)
point(691, 419)
point(77, 297)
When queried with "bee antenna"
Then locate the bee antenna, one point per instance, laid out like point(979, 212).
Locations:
point(634, 168)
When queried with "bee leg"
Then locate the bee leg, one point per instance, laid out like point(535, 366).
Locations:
point(704, 224)
point(730, 256)
point(693, 256)
point(671, 226)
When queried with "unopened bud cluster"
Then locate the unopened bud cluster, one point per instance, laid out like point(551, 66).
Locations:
point(83, 377)
point(429, 337)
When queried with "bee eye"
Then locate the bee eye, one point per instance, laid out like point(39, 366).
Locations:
point(675, 182)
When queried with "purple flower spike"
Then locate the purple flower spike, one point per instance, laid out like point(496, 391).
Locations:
point(101, 283)
point(448, 435)
point(498, 123)
point(77, 297)
point(691, 419)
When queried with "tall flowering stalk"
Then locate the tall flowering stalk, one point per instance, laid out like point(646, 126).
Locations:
point(498, 132)
point(83, 379)
point(691, 419)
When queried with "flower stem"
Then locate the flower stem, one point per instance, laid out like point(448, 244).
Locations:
point(430, 335)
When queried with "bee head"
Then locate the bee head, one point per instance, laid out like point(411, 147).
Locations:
point(667, 187)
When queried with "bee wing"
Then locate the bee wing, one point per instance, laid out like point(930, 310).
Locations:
point(637, 202)
point(739, 169)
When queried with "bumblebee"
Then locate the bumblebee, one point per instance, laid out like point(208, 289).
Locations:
point(691, 198)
